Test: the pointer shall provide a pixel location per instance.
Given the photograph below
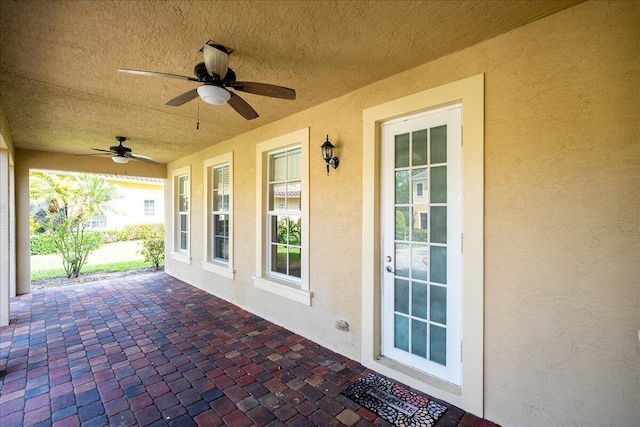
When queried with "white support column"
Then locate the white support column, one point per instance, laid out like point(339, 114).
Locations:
point(12, 231)
point(4, 239)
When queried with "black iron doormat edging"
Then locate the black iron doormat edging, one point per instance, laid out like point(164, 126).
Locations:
point(394, 403)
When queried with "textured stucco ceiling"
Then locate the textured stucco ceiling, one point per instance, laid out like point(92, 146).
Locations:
point(58, 59)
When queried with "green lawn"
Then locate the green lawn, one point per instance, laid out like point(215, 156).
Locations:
point(89, 269)
point(112, 257)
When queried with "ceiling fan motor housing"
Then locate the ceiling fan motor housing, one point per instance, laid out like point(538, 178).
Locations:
point(212, 94)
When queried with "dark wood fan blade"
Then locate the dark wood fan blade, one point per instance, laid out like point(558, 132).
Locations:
point(242, 107)
point(184, 98)
point(265, 89)
point(104, 151)
point(141, 159)
point(155, 74)
point(216, 61)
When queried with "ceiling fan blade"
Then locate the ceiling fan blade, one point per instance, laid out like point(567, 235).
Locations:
point(97, 154)
point(140, 158)
point(216, 60)
point(242, 107)
point(265, 89)
point(155, 74)
point(183, 99)
point(104, 151)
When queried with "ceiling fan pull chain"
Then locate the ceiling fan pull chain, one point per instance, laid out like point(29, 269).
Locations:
point(198, 122)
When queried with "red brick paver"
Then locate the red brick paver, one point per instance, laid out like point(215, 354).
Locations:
point(151, 350)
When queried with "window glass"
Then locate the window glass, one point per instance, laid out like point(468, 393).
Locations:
point(219, 230)
point(284, 216)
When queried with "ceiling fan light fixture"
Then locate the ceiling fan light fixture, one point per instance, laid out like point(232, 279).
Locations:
point(120, 159)
point(213, 94)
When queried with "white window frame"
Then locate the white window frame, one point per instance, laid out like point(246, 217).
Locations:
point(98, 221)
point(295, 290)
point(211, 264)
point(153, 207)
point(181, 255)
point(419, 189)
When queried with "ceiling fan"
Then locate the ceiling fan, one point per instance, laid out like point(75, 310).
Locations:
point(217, 78)
point(122, 154)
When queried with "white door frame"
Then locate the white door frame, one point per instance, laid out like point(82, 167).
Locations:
point(450, 116)
point(470, 93)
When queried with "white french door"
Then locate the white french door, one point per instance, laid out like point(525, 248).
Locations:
point(422, 242)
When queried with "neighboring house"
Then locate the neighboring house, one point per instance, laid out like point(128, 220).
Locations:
point(140, 201)
point(520, 302)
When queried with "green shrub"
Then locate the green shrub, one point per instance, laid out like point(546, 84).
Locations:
point(135, 232)
point(153, 251)
point(42, 244)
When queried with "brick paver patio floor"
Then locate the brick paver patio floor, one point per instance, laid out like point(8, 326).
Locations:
point(151, 350)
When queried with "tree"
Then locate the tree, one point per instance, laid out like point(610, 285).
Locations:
point(72, 201)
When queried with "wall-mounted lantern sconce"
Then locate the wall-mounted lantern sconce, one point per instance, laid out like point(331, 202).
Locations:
point(327, 155)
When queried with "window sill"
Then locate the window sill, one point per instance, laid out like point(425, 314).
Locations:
point(176, 256)
point(295, 294)
point(219, 269)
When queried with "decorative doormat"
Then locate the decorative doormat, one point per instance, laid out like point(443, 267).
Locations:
point(393, 403)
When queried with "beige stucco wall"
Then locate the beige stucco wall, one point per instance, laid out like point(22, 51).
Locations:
point(562, 209)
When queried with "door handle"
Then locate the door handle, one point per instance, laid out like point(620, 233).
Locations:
point(389, 269)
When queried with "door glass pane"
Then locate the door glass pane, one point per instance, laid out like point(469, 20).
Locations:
point(419, 300)
point(419, 178)
point(419, 262)
point(419, 338)
point(419, 150)
point(438, 261)
point(402, 150)
point(438, 304)
point(439, 184)
point(439, 224)
point(438, 345)
point(403, 258)
point(401, 332)
point(439, 144)
point(401, 296)
point(419, 232)
point(402, 224)
point(403, 190)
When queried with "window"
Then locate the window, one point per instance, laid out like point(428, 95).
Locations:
point(283, 200)
point(98, 221)
point(149, 208)
point(419, 189)
point(283, 218)
point(181, 192)
point(219, 222)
